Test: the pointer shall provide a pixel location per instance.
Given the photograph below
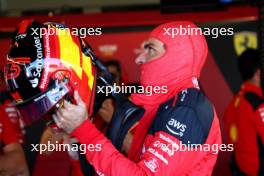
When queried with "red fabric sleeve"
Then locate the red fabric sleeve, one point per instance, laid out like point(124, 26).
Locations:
point(158, 158)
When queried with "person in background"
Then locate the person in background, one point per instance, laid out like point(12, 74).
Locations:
point(114, 68)
point(106, 110)
point(53, 136)
point(244, 119)
point(12, 158)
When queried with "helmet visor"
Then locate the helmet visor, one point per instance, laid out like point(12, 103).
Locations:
point(34, 109)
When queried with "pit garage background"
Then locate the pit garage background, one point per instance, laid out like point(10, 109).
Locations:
point(122, 34)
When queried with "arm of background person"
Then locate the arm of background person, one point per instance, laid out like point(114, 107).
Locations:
point(12, 160)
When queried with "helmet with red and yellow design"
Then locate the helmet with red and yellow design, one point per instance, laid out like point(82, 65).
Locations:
point(45, 64)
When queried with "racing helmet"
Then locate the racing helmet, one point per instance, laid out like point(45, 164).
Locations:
point(45, 64)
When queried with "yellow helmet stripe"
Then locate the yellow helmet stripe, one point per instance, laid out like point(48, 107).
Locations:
point(87, 67)
point(69, 51)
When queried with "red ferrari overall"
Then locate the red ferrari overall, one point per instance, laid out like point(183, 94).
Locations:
point(181, 116)
point(244, 120)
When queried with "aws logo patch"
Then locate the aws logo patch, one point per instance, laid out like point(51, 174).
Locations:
point(175, 127)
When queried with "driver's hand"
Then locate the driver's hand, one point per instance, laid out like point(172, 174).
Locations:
point(71, 116)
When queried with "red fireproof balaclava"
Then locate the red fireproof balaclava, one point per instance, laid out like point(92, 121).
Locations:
point(178, 68)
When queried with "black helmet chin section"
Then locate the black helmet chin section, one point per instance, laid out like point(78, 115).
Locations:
point(34, 109)
point(125, 115)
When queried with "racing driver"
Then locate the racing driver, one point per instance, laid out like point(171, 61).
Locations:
point(183, 116)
